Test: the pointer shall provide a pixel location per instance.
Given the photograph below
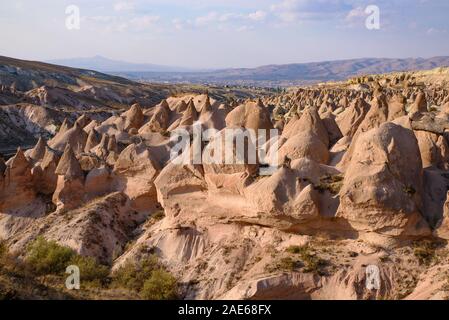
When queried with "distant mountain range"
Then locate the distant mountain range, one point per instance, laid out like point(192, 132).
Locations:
point(103, 64)
point(270, 75)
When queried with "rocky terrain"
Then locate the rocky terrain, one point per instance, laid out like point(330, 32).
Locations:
point(36, 97)
point(362, 179)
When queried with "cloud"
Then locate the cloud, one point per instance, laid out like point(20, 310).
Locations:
point(291, 11)
point(123, 6)
point(259, 15)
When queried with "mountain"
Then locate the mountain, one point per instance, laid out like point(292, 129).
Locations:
point(103, 64)
point(295, 74)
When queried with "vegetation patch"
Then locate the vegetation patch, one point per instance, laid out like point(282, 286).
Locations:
point(147, 277)
point(425, 251)
point(333, 184)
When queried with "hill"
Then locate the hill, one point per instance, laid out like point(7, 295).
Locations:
point(294, 74)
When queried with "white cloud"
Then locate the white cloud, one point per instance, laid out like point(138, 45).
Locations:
point(123, 6)
point(356, 13)
point(259, 15)
point(207, 19)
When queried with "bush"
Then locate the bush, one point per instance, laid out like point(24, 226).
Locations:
point(160, 286)
point(312, 263)
point(47, 257)
point(148, 278)
point(132, 276)
point(90, 270)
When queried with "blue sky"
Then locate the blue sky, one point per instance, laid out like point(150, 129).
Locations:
point(223, 33)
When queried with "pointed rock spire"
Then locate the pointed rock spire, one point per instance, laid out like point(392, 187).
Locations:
point(134, 117)
point(83, 120)
point(190, 115)
point(51, 157)
point(64, 126)
point(181, 106)
point(112, 144)
point(68, 165)
point(207, 106)
point(92, 140)
point(19, 160)
point(38, 152)
point(420, 104)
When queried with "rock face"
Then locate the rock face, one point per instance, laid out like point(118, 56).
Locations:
point(252, 115)
point(76, 137)
point(133, 118)
point(357, 179)
point(17, 187)
point(136, 171)
point(69, 193)
point(349, 120)
point(382, 188)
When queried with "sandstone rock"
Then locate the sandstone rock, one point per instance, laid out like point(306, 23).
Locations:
point(134, 118)
point(76, 137)
point(37, 153)
point(18, 186)
point(349, 120)
point(382, 188)
point(252, 115)
point(136, 171)
point(93, 140)
point(189, 116)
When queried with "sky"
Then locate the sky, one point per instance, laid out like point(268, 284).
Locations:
point(223, 33)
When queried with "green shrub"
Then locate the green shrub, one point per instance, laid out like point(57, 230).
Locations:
point(148, 278)
point(132, 276)
point(312, 263)
point(47, 257)
point(90, 270)
point(160, 286)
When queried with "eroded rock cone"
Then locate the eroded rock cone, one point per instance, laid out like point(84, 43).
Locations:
point(136, 169)
point(206, 107)
point(181, 106)
point(38, 152)
point(76, 137)
point(64, 126)
point(101, 150)
point(251, 115)
point(48, 178)
point(396, 107)
point(134, 118)
point(190, 115)
point(420, 104)
point(83, 121)
point(18, 185)
point(349, 120)
point(310, 121)
point(159, 121)
point(69, 193)
point(112, 144)
point(92, 140)
point(68, 165)
point(382, 189)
